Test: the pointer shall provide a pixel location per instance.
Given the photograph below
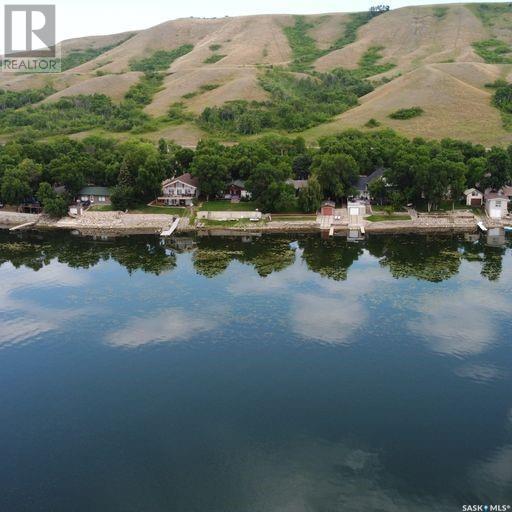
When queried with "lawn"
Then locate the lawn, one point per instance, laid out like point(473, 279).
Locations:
point(101, 208)
point(228, 206)
point(168, 210)
point(386, 218)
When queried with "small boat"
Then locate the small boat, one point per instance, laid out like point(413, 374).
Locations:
point(508, 229)
point(294, 245)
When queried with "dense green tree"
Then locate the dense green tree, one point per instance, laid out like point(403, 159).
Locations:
point(15, 186)
point(498, 171)
point(210, 166)
point(123, 197)
point(336, 173)
point(310, 197)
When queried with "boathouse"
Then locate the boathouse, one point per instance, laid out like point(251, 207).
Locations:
point(473, 197)
point(327, 208)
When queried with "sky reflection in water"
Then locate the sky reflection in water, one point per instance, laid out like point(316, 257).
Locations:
point(222, 375)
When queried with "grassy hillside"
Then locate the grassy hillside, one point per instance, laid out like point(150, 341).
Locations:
point(437, 58)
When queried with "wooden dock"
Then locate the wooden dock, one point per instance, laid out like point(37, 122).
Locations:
point(172, 228)
point(22, 226)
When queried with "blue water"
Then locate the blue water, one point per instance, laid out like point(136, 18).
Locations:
point(230, 375)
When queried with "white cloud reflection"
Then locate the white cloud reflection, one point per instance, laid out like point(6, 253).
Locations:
point(331, 320)
point(22, 320)
point(170, 325)
point(308, 475)
point(461, 323)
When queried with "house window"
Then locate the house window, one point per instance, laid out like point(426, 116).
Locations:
point(498, 204)
point(84, 198)
point(101, 199)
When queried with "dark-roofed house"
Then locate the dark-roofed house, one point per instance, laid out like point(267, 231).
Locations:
point(179, 191)
point(298, 185)
point(364, 182)
point(96, 195)
point(236, 190)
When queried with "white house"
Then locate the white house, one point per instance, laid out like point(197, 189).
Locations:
point(473, 197)
point(496, 205)
point(179, 191)
point(356, 212)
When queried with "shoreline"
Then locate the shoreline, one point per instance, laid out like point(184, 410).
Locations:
point(119, 223)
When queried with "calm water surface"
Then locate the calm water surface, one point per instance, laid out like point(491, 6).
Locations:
point(234, 375)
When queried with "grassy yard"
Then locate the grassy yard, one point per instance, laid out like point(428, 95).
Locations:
point(386, 218)
point(143, 208)
point(168, 210)
point(101, 208)
point(228, 206)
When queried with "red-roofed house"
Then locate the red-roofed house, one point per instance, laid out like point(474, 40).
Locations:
point(179, 191)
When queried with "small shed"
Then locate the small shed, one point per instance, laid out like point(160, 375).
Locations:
point(473, 197)
point(327, 208)
point(356, 212)
point(496, 205)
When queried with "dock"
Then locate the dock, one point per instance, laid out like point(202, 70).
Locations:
point(481, 225)
point(22, 226)
point(172, 228)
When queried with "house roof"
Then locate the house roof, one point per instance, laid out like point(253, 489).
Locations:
point(329, 203)
point(507, 190)
point(186, 178)
point(363, 180)
point(494, 195)
point(238, 183)
point(95, 191)
point(471, 190)
point(297, 184)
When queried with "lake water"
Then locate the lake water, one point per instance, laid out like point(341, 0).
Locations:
point(236, 375)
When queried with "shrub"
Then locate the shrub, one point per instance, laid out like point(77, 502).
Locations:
point(56, 207)
point(440, 12)
point(407, 113)
point(372, 123)
point(295, 104)
point(212, 59)
point(78, 57)
point(161, 59)
point(494, 51)
point(178, 113)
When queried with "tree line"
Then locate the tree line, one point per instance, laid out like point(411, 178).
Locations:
point(415, 171)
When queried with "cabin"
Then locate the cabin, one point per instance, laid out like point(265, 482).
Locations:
point(496, 205)
point(95, 195)
point(474, 197)
point(236, 191)
point(179, 191)
point(327, 208)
